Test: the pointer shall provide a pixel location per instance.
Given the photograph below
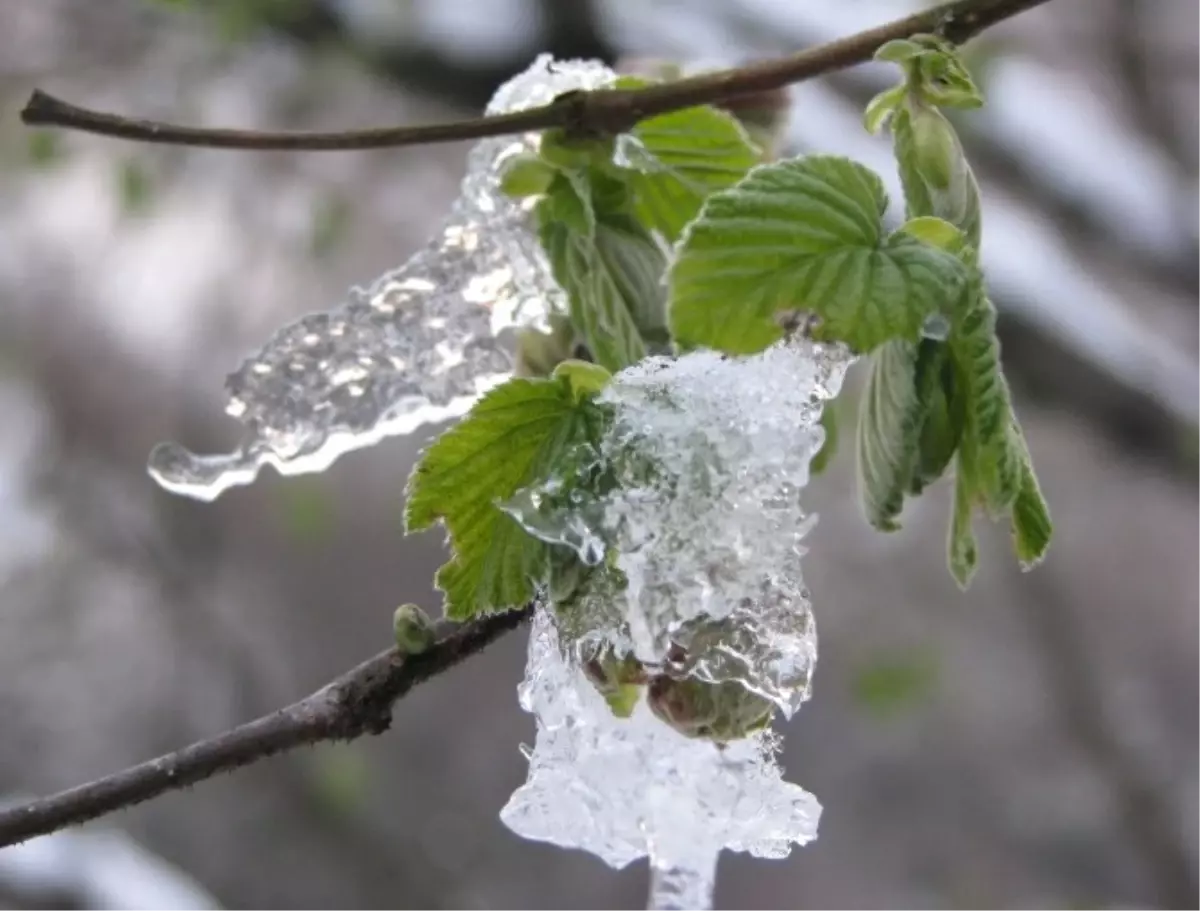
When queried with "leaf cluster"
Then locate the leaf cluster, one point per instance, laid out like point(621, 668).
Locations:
point(681, 236)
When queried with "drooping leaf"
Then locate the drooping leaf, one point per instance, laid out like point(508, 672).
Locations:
point(636, 264)
point(804, 235)
point(687, 156)
point(902, 391)
point(1032, 528)
point(942, 430)
point(598, 306)
point(988, 414)
point(515, 436)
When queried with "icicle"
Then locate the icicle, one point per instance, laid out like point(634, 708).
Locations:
point(629, 788)
point(678, 887)
point(419, 346)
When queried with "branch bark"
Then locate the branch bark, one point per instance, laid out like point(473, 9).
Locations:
point(357, 703)
point(600, 112)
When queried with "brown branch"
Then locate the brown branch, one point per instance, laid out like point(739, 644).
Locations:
point(355, 704)
point(599, 112)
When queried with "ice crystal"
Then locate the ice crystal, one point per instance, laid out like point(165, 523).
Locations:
point(708, 456)
point(419, 346)
point(623, 789)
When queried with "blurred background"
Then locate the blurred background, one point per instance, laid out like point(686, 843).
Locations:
point(1030, 743)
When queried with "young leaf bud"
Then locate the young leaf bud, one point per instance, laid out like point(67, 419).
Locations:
point(413, 630)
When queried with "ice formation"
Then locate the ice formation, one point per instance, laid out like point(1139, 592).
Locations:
point(709, 454)
point(623, 789)
point(419, 346)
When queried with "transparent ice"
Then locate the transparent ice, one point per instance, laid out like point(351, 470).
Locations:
point(709, 454)
point(623, 789)
point(419, 346)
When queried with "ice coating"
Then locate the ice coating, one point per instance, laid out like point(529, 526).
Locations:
point(709, 454)
point(623, 789)
point(419, 346)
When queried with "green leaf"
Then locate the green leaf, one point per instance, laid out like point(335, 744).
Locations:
point(691, 154)
point(934, 171)
point(1032, 528)
point(526, 175)
point(568, 203)
point(943, 427)
point(881, 107)
point(636, 264)
point(899, 50)
point(903, 390)
point(596, 295)
point(804, 235)
point(987, 429)
point(515, 436)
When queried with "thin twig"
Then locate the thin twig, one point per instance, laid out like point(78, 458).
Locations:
point(355, 704)
point(599, 112)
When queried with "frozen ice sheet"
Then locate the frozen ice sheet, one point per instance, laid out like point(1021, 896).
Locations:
point(417, 347)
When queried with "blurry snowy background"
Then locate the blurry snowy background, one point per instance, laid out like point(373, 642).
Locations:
point(1033, 743)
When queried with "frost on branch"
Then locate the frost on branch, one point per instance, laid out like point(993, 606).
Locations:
point(708, 456)
point(623, 789)
point(417, 347)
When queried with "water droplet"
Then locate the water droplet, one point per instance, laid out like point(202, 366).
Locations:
point(936, 327)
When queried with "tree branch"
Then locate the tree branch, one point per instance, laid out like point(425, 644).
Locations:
point(358, 702)
point(599, 112)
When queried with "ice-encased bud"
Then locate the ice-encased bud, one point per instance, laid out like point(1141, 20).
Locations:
point(417, 347)
point(629, 788)
point(720, 712)
point(700, 516)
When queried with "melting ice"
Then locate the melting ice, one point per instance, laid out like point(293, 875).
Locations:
point(419, 346)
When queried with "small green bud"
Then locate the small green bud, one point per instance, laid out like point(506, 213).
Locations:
point(585, 378)
point(413, 630)
point(930, 152)
point(618, 679)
